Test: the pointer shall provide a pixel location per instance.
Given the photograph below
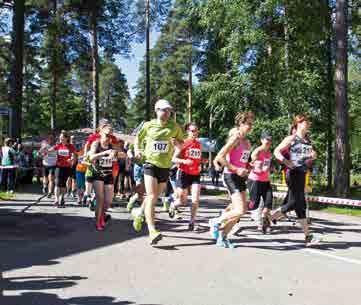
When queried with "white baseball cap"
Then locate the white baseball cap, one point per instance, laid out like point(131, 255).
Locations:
point(162, 104)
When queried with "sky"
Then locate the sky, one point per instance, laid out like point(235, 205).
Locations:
point(130, 66)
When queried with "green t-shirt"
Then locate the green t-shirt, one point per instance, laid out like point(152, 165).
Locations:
point(155, 141)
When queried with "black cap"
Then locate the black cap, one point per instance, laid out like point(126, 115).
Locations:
point(266, 135)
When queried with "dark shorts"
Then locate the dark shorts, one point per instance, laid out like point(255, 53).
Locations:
point(258, 190)
point(161, 174)
point(234, 183)
point(73, 172)
point(108, 179)
point(48, 170)
point(185, 180)
point(62, 175)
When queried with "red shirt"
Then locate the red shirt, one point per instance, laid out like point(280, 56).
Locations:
point(96, 136)
point(191, 151)
point(64, 152)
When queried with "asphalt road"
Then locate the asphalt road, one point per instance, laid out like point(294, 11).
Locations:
point(54, 256)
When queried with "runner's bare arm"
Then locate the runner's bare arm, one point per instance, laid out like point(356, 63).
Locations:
point(176, 157)
point(281, 147)
point(95, 156)
point(86, 148)
point(222, 154)
point(313, 154)
point(255, 153)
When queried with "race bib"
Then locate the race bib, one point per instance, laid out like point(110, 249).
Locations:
point(160, 147)
point(301, 152)
point(194, 153)
point(258, 166)
point(63, 152)
point(106, 162)
point(306, 151)
point(266, 164)
point(245, 156)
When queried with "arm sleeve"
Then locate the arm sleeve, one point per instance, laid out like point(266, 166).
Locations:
point(141, 136)
point(179, 134)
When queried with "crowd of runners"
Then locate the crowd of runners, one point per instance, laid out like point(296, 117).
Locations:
point(165, 164)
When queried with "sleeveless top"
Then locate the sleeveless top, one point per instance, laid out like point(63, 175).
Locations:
point(239, 156)
point(262, 166)
point(104, 165)
point(300, 151)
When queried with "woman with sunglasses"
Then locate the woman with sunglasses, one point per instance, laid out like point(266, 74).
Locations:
point(259, 185)
point(188, 159)
point(301, 157)
point(234, 156)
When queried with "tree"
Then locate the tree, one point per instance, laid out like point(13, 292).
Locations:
point(114, 94)
point(16, 74)
point(342, 150)
point(104, 18)
point(150, 14)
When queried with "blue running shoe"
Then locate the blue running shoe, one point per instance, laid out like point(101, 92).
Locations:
point(228, 243)
point(221, 242)
point(214, 228)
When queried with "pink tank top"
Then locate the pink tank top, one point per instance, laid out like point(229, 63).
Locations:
point(261, 169)
point(239, 156)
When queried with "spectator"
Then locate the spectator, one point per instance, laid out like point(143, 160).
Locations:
point(8, 166)
point(214, 174)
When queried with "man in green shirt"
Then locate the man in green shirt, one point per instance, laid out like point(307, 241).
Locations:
point(155, 142)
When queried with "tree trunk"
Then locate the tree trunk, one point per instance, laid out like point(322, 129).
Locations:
point(329, 96)
point(148, 109)
point(190, 87)
point(54, 72)
point(16, 76)
point(286, 37)
point(95, 63)
point(342, 149)
point(286, 32)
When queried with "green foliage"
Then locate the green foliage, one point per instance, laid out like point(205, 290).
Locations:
point(114, 95)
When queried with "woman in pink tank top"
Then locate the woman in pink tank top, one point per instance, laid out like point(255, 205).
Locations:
point(258, 184)
point(234, 156)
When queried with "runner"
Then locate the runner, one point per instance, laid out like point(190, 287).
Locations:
point(71, 183)
point(81, 168)
point(170, 191)
point(138, 213)
point(302, 156)
point(188, 159)
point(93, 137)
point(66, 157)
point(100, 173)
point(49, 165)
point(138, 174)
point(8, 166)
point(234, 156)
point(156, 140)
point(259, 184)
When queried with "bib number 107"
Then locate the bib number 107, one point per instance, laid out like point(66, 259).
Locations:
point(160, 147)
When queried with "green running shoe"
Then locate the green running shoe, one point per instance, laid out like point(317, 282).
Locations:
point(132, 200)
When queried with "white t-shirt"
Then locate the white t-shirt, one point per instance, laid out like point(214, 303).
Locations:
point(49, 157)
